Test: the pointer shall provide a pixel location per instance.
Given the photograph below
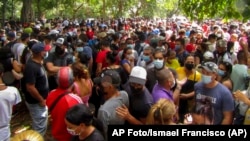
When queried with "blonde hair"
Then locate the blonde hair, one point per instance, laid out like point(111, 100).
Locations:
point(29, 135)
point(162, 112)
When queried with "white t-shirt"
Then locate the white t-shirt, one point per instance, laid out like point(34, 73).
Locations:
point(8, 97)
point(18, 51)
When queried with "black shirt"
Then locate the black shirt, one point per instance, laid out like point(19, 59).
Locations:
point(94, 136)
point(34, 73)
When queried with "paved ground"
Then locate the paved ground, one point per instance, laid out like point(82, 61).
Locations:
point(21, 121)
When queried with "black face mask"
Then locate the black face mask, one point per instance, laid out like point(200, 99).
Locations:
point(101, 90)
point(189, 66)
point(136, 90)
point(59, 50)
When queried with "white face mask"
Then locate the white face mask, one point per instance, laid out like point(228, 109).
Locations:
point(173, 84)
point(72, 132)
point(46, 55)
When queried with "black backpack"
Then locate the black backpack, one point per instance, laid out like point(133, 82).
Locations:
point(9, 45)
point(25, 55)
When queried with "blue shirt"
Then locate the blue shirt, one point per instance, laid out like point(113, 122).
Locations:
point(212, 102)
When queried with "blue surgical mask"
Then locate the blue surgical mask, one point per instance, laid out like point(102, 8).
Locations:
point(146, 58)
point(79, 49)
point(206, 79)
point(130, 46)
point(177, 47)
point(158, 63)
point(221, 72)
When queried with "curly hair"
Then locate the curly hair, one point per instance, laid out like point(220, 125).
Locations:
point(80, 70)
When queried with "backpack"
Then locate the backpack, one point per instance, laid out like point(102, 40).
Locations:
point(139, 47)
point(25, 55)
point(9, 45)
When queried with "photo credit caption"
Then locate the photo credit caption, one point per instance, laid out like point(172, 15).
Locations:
point(199, 131)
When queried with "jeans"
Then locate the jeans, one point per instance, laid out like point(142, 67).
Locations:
point(39, 116)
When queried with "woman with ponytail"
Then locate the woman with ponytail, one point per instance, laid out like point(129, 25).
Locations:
point(162, 113)
point(82, 124)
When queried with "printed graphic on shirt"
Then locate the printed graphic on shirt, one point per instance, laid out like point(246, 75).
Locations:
point(204, 108)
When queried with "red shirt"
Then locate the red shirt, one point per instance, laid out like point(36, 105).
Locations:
point(90, 34)
point(101, 58)
point(58, 128)
point(190, 47)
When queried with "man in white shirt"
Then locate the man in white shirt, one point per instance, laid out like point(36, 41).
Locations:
point(9, 96)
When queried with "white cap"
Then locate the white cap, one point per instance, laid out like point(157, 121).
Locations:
point(111, 31)
point(60, 41)
point(138, 75)
point(53, 32)
point(208, 55)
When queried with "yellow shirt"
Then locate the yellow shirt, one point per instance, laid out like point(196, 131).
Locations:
point(174, 65)
point(181, 74)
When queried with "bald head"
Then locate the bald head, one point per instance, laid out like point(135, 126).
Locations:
point(163, 75)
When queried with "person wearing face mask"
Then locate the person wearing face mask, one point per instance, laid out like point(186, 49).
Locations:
point(165, 82)
point(217, 95)
point(108, 83)
point(57, 59)
point(181, 53)
point(82, 124)
point(140, 98)
point(187, 91)
point(84, 48)
point(37, 87)
point(224, 73)
point(146, 58)
point(65, 81)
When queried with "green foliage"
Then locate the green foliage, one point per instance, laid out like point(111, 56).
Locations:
point(202, 9)
point(193, 9)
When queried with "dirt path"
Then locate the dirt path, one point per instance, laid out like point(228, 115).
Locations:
point(22, 121)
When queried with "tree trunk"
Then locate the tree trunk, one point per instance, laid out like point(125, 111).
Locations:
point(120, 9)
point(103, 9)
point(39, 11)
point(3, 12)
point(26, 12)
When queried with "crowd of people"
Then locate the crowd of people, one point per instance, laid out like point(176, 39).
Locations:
point(80, 77)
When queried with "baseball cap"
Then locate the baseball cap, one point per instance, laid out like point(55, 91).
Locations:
point(138, 75)
point(108, 76)
point(221, 43)
point(208, 55)
point(111, 31)
point(209, 66)
point(39, 47)
point(61, 41)
point(11, 34)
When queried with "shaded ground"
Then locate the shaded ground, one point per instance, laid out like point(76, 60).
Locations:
point(22, 121)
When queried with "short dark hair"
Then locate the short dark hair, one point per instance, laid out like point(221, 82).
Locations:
point(162, 75)
point(105, 43)
point(181, 40)
point(1, 68)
